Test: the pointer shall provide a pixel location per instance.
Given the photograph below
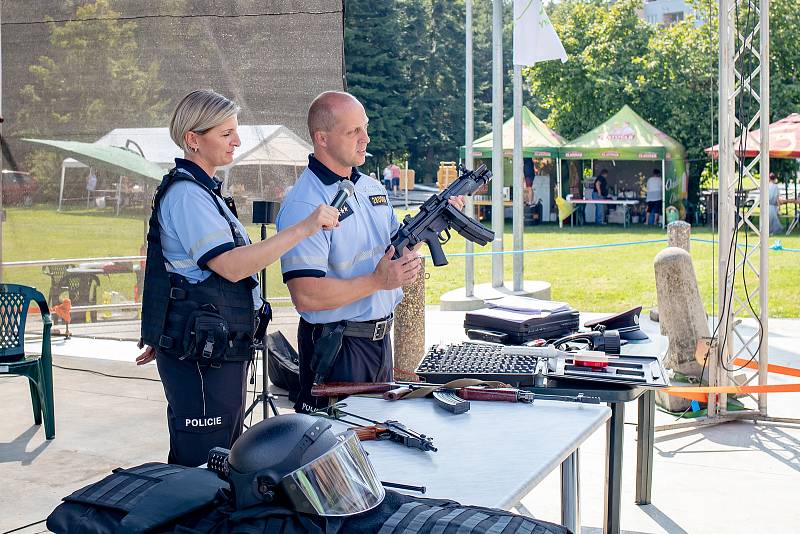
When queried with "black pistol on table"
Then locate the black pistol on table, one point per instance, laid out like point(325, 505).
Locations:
point(436, 217)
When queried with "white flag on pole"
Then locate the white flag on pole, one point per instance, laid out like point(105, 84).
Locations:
point(535, 39)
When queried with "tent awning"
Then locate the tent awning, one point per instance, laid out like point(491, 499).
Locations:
point(271, 145)
point(538, 140)
point(114, 159)
point(261, 144)
point(625, 136)
point(784, 140)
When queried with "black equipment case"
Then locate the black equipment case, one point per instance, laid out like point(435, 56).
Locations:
point(515, 328)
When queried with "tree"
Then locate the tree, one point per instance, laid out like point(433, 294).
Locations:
point(482, 61)
point(606, 45)
point(91, 71)
point(435, 62)
point(89, 82)
point(666, 74)
point(679, 91)
point(784, 70)
point(375, 74)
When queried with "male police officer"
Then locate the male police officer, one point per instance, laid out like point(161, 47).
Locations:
point(345, 286)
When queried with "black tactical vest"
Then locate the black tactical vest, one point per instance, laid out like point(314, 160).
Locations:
point(211, 321)
point(168, 498)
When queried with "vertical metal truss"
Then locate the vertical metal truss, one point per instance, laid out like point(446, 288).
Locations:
point(743, 273)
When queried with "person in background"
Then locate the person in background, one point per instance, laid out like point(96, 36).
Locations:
point(395, 178)
point(91, 186)
point(600, 192)
point(387, 177)
point(655, 195)
point(528, 172)
point(775, 224)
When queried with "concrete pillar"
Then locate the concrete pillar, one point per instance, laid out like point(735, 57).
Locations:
point(678, 234)
point(681, 316)
point(409, 328)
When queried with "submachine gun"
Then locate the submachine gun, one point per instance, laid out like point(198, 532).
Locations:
point(437, 216)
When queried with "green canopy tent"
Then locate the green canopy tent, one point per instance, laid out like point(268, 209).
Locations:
point(628, 137)
point(538, 142)
point(110, 158)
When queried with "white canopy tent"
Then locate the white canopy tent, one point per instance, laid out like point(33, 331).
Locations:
point(262, 144)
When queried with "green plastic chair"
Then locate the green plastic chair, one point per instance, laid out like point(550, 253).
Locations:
point(14, 302)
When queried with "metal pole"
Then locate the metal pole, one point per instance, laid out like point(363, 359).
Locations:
point(469, 162)
point(498, 219)
point(663, 193)
point(119, 194)
point(725, 211)
point(517, 218)
point(2, 210)
point(763, 279)
point(61, 187)
point(405, 185)
point(570, 492)
point(560, 187)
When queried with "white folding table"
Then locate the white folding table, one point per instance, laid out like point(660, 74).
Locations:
point(492, 456)
point(625, 203)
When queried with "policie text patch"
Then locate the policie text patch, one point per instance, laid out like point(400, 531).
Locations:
point(202, 424)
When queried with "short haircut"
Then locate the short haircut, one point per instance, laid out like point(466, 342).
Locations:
point(321, 117)
point(198, 112)
point(604, 171)
point(657, 172)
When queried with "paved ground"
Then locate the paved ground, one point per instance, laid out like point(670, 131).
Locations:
point(736, 477)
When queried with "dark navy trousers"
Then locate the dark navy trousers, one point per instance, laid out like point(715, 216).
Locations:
point(205, 406)
point(359, 360)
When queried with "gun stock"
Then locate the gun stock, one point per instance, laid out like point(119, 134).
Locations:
point(489, 394)
point(341, 389)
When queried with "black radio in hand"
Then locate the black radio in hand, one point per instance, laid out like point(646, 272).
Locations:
point(437, 216)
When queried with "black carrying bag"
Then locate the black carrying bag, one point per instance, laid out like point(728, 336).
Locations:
point(283, 363)
point(207, 336)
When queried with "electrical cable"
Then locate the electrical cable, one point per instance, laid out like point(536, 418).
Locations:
point(24, 526)
point(109, 375)
point(179, 17)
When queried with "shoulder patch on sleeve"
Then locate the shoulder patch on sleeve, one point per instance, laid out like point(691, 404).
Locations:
point(379, 200)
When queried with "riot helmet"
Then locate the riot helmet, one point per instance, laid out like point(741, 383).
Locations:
point(297, 461)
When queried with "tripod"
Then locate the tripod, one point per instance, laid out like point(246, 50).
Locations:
point(265, 398)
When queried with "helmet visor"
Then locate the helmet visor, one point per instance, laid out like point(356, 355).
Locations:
point(341, 482)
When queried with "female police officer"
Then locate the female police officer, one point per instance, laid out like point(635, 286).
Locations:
point(200, 295)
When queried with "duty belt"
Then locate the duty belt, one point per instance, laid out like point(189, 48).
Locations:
point(374, 330)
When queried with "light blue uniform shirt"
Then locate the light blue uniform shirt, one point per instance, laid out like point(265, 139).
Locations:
point(192, 229)
point(366, 226)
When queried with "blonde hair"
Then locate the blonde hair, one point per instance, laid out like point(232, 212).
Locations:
point(198, 112)
point(321, 117)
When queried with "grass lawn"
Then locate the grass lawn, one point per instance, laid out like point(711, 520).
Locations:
point(597, 279)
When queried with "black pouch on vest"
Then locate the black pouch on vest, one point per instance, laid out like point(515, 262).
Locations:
point(207, 336)
point(326, 349)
